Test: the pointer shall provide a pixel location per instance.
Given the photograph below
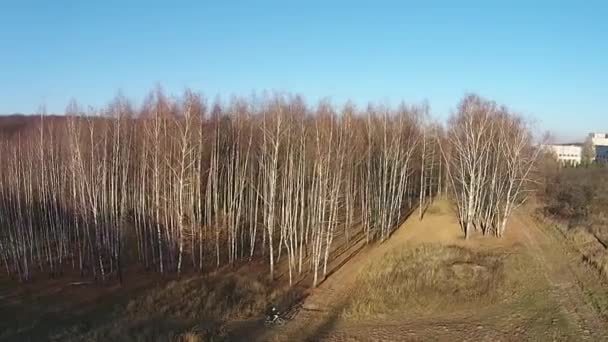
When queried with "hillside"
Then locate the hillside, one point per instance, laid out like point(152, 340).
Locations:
point(427, 283)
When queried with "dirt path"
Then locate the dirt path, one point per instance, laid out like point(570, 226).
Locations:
point(554, 297)
point(571, 284)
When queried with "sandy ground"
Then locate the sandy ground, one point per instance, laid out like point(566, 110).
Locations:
point(559, 299)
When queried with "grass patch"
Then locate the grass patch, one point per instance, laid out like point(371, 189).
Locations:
point(216, 297)
point(426, 278)
point(591, 243)
point(434, 209)
point(186, 310)
point(591, 247)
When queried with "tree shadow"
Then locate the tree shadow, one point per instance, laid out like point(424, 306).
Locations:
point(328, 325)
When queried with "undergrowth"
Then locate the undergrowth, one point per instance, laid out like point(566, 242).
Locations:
point(425, 279)
point(192, 309)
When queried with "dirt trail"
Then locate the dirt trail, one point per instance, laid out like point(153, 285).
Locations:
point(557, 304)
point(572, 285)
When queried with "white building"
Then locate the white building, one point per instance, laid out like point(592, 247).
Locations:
point(599, 139)
point(567, 153)
point(600, 146)
point(601, 154)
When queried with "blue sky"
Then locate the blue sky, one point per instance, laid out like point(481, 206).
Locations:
point(545, 59)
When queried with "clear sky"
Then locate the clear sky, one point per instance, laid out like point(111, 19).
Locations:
point(545, 59)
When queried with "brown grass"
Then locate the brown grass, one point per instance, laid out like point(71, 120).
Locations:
point(592, 250)
point(425, 278)
point(191, 337)
point(198, 335)
point(437, 208)
point(588, 240)
point(192, 309)
point(216, 297)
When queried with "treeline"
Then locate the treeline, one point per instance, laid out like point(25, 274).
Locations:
point(575, 196)
point(180, 184)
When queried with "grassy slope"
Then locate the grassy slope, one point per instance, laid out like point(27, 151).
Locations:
point(427, 283)
point(142, 310)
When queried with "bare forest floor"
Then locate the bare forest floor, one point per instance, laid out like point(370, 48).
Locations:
point(426, 283)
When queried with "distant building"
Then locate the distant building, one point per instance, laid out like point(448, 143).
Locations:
point(568, 154)
point(599, 139)
point(600, 146)
point(601, 154)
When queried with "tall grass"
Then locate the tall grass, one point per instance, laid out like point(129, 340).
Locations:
point(192, 309)
point(424, 279)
